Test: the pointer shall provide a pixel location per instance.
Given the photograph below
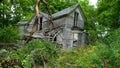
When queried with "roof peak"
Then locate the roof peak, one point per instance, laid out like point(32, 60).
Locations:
point(65, 11)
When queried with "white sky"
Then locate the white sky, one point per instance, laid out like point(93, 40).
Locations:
point(93, 2)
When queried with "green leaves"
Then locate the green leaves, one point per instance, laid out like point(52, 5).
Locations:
point(9, 34)
point(90, 56)
point(108, 13)
point(42, 51)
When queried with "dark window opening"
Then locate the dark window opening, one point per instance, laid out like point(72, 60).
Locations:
point(40, 27)
point(75, 18)
point(55, 39)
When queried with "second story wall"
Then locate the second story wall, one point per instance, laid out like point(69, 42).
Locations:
point(79, 19)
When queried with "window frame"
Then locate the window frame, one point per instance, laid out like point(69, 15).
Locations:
point(76, 14)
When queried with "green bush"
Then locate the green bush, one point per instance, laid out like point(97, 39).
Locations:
point(80, 57)
point(109, 53)
point(10, 58)
point(9, 34)
point(90, 57)
point(35, 52)
point(113, 37)
point(42, 51)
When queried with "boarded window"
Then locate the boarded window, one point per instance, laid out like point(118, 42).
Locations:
point(75, 39)
point(79, 38)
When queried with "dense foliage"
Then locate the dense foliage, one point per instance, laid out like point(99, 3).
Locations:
point(35, 53)
point(102, 25)
point(42, 52)
point(108, 13)
point(90, 57)
point(9, 34)
point(10, 13)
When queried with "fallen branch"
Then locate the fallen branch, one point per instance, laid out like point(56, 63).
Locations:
point(68, 64)
point(9, 45)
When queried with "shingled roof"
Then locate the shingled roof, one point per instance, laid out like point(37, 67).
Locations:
point(62, 13)
point(59, 14)
point(31, 21)
point(67, 11)
point(34, 16)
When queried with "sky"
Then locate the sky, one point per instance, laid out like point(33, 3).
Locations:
point(93, 2)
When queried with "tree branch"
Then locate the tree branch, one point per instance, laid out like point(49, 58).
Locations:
point(9, 45)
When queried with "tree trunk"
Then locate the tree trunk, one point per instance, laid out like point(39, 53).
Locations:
point(105, 63)
point(45, 64)
point(37, 8)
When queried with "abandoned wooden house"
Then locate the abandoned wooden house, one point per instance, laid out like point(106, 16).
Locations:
point(69, 27)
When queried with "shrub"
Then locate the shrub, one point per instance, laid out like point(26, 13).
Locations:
point(35, 52)
point(112, 37)
point(9, 34)
point(80, 57)
point(42, 52)
point(90, 57)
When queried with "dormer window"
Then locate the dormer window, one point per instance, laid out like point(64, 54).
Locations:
point(75, 19)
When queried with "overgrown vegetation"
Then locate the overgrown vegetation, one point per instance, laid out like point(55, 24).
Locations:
point(9, 34)
point(90, 57)
point(35, 53)
point(102, 26)
point(40, 54)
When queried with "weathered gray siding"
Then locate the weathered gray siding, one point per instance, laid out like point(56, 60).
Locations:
point(68, 38)
point(80, 22)
point(22, 27)
point(64, 18)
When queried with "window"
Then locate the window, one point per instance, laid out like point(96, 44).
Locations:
point(75, 39)
point(75, 36)
point(55, 39)
point(75, 19)
point(40, 25)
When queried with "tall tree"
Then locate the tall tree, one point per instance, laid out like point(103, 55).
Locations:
point(90, 25)
point(108, 17)
point(108, 12)
point(9, 13)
